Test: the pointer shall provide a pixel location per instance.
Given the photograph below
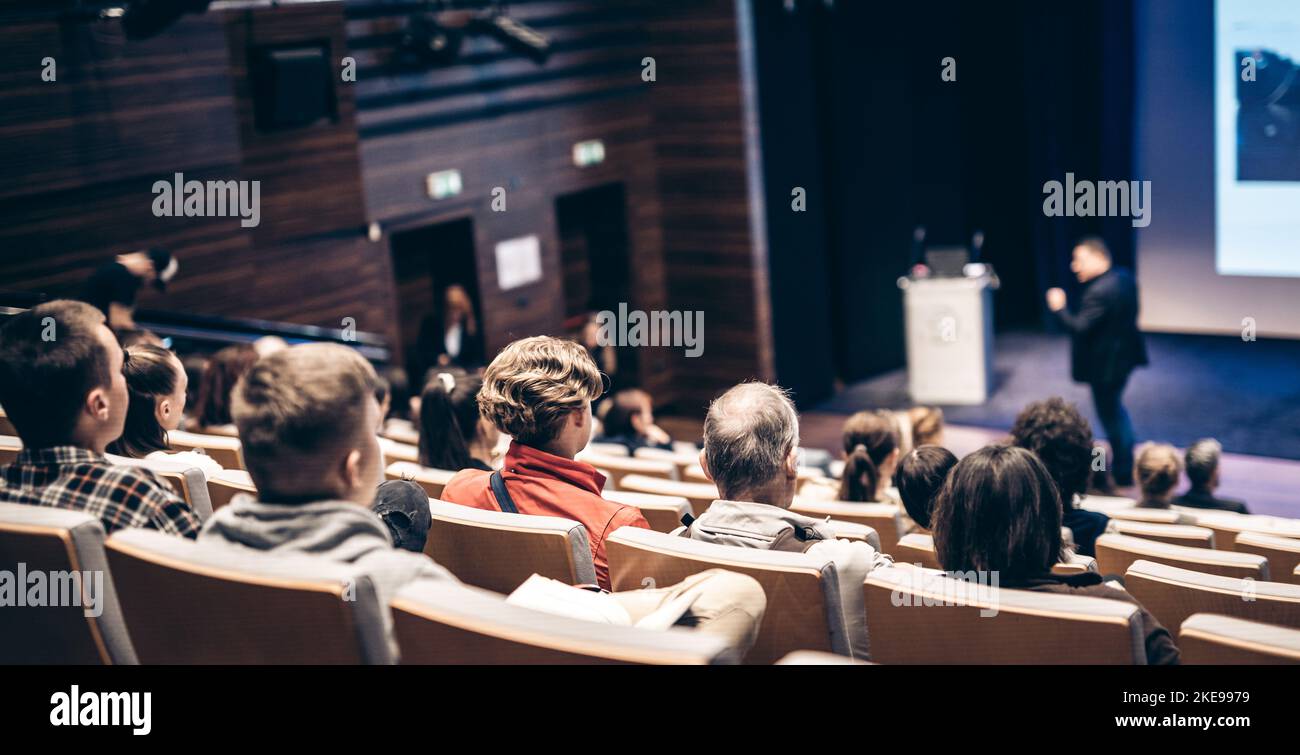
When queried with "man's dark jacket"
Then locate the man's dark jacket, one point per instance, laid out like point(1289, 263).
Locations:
point(1106, 344)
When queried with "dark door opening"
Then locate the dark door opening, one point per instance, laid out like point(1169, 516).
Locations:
point(594, 252)
point(426, 262)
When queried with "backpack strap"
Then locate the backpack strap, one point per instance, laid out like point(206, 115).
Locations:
point(504, 501)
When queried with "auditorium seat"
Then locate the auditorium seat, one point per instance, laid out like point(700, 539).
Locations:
point(10, 445)
point(1176, 534)
point(1222, 640)
point(618, 467)
point(1172, 594)
point(916, 548)
point(965, 623)
point(607, 449)
point(804, 611)
point(223, 449)
point(700, 494)
point(683, 460)
point(663, 512)
point(1115, 553)
point(1075, 563)
point(191, 603)
point(401, 432)
point(188, 481)
point(1154, 516)
point(1227, 525)
point(224, 486)
point(49, 540)
point(1283, 553)
point(885, 518)
point(498, 551)
point(394, 451)
point(439, 623)
point(1106, 503)
point(432, 480)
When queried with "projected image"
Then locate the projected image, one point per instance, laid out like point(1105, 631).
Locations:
point(1257, 137)
point(1268, 118)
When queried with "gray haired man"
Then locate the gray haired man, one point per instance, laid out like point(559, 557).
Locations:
point(1202, 464)
point(751, 452)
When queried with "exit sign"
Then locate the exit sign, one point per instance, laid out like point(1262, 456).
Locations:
point(588, 153)
point(443, 184)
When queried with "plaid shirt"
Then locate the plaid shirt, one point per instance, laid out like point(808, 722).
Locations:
point(69, 477)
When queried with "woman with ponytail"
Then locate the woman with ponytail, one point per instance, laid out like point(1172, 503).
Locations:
point(870, 455)
point(156, 382)
point(453, 435)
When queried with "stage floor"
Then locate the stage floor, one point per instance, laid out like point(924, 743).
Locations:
point(1245, 394)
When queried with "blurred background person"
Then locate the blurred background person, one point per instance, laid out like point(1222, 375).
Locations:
point(114, 285)
point(223, 370)
point(1202, 465)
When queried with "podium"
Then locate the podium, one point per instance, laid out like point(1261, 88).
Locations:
point(949, 324)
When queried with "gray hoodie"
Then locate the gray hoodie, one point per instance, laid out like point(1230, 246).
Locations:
point(340, 531)
point(760, 525)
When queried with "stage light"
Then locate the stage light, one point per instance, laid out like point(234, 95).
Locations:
point(142, 19)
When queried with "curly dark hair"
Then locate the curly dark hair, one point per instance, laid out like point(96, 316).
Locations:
point(1059, 435)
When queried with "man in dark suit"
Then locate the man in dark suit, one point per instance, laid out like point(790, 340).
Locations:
point(1106, 344)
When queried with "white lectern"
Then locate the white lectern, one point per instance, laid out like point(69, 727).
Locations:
point(949, 324)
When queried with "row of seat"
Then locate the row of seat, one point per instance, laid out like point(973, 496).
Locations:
point(169, 600)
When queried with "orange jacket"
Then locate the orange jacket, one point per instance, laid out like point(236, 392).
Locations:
point(548, 485)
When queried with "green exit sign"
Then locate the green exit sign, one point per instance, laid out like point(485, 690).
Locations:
point(443, 184)
point(588, 153)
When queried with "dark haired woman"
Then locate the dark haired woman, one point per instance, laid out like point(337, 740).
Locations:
point(999, 511)
point(919, 477)
point(156, 382)
point(870, 455)
point(223, 370)
point(453, 435)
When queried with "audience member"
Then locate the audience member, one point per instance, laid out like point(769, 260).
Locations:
point(539, 391)
point(452, 338)
point(630, 422)
point(999, 511)
point(927, 426)
point(1202, 464)
point(918, 479)
point(307, 417)
point(870, 456)
point(1158, 469)
point(156, 383)
point(224, 368)
point(1062, 439)
point(751, 439)
point(63, 388)
point(453, 434)
point(113, 286)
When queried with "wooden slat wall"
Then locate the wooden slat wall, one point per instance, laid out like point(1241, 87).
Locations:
point(79, 158)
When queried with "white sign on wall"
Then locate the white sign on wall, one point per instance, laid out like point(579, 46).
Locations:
point(519, 262)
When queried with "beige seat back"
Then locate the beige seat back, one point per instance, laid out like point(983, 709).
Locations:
point(916, 548)
point(395, 451)
point(1227, 526)
point(224, 449)
point(440, 623)
point(1154, 516)
point(1222, 640)
point(84, 624)
point(663, 512)
point(192, 603)
point(1115, 553)
point(1172, 594)
point(700, 494)
point(1175, 534)
point(1283, 553)
point(919, 616)
point(683, 460)
point(498, 551)
point(618, 467)
point(432, 480)
point(804, 611)
point(223, 487)
point(885, 518)
point(1075, 563)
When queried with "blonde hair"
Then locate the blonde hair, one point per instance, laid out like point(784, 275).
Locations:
point(534, 383)
point(1158, 468)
